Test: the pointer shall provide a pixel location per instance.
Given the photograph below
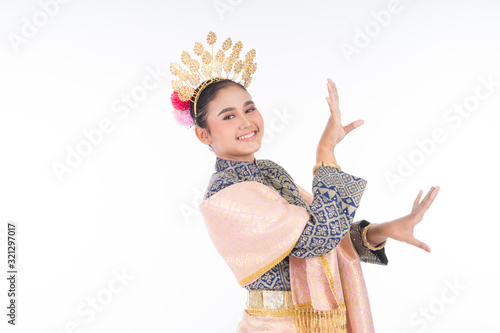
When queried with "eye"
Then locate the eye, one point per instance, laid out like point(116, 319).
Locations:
point(227, 117)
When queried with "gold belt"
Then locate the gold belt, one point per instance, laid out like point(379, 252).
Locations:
point(277, 303)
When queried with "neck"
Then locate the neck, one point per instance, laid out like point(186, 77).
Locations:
point(249, 159)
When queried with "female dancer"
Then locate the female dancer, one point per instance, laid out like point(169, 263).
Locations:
point(297, 254)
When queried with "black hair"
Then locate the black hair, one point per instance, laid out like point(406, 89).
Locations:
point(207, 95)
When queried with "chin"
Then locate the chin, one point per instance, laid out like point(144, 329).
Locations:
point(250, 150)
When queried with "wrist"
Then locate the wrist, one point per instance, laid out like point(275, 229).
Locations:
point(325, 153)
point(325, 146)
point(376, 234)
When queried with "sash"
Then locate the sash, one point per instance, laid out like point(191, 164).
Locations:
point(253, 228)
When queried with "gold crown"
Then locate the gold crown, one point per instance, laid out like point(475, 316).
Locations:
point(211, 68)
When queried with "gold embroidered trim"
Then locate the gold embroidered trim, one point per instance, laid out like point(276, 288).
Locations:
point(264, 269)
point(333, 164)
point(309, 320)
point(309, 306)
point(324, 262)
point(303, 306)
point(271, 312)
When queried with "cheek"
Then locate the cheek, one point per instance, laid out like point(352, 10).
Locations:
point(222, 128)
point(259, 120)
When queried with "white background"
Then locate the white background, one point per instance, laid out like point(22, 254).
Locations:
point(130, 205)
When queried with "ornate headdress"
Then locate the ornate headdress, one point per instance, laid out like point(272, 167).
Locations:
point(211, 70)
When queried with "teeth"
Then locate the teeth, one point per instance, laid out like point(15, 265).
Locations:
point(247, 136)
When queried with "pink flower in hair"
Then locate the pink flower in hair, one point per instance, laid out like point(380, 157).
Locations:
point(183, 117)
point(177, 103)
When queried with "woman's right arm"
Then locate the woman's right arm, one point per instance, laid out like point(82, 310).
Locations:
point(336, 193)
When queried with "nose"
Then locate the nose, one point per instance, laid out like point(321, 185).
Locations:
point(245, 122)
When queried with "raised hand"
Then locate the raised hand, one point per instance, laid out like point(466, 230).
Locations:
point(334, 131)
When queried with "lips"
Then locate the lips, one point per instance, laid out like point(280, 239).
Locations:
point(247, 135)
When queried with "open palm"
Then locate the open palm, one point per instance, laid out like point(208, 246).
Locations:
point(402, 229)
point(338, 132)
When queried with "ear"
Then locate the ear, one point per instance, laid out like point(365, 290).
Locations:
point(202, 135)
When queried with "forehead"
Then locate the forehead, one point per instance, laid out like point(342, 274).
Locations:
point(231, 96)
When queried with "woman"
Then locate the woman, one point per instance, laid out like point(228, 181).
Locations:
point(298, 254)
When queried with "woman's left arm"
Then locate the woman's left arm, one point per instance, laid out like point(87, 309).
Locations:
point(401, 229)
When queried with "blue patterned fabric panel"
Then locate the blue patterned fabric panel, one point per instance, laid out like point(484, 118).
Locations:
point(336, 196)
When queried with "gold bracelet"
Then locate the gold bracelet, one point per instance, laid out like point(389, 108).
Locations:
point(365, 231)
point(326, 164)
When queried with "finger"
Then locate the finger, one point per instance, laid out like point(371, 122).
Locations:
point(329, 87)
point(353, 125)
point(332, 90)
point(333, 85)
point(358, 123)
point(417, 201)
point(430, 199)
point(419, 244)
point(330, 105)
point(426, 197)
point(329, 98)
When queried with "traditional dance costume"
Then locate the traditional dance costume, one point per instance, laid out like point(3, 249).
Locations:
point(298, 254)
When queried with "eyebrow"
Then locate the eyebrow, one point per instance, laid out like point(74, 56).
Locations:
point(233, 108)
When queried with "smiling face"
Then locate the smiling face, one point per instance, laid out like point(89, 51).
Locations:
point(236, 126)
